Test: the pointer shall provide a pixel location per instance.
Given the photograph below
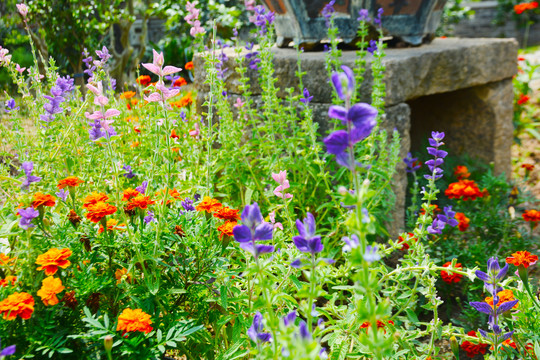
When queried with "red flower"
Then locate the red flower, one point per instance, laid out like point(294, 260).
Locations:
point(463, 221)
point(522, 258)
point(523, 99)
point(451, 277)
point(473, 349)
point(521, 8)
point(405, 242)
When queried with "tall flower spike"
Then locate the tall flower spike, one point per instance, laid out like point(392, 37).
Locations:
point(255, 332)
point(344, 83)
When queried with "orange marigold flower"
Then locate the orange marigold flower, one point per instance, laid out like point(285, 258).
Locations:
point(465, 189)
point(380, 325)
point(41, 199)
point(50, 286)
point(504, 296)
point(406, 242)
point(6, 260)
point(137, 129)
point(209, 205)
point(472, 349)
point(134, 320)
point(523, 99)
point(451, 277)
point(94, 198)
point(144, 80)
point(72, 181)
point(9, 279)
point(129, 193)
point(180, 82)
point(134, 144)
point(140, 202)
point(226, 229)
point(226, 213)
point(522, 258)
point(184, 101)
point(112, 224)
point(127, 95)
point(52, 259)
point(189, 65)
point(174, 135)
point(531, 215)
point(463, 221)
point(461, 172)
point(122, 275)
point(528, 167)
point(98, 211)
point(17, 304)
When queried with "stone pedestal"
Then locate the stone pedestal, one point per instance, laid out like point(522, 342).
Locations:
point(460, 86)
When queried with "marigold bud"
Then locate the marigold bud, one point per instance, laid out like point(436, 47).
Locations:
point(108, 343)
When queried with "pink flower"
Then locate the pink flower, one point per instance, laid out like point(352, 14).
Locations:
point(192, 19)
point(250, 5)
point(5, 59)
point(99, 99)
point(239, 103)
point(195, 132)
point(23, 9)
point(164, 93)
point(19, 69)
point(157, 68)
point(281, 179)
point(272, 217)
point(98, 115)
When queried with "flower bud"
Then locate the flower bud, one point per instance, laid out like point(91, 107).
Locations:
point(108, 343)
point(454, 346)
point(342, 190)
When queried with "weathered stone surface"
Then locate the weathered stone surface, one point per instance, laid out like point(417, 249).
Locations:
point(444, 65)
point(477, 121)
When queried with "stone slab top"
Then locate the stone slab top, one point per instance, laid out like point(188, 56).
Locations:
point(442, 66)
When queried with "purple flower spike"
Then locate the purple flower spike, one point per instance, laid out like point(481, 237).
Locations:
point(7, 351)
point(344, 83)
point(129, 174)
point(142, 187)
point(289, 318)
point(307, 241)
point(482, 307)
point(306, 99)
point(255, 332)
point(410, 162)
point(28, 167)
point(27, 215)
point(11, 106)
point(149, 218)
point(62, 194)
point(363, 15)
point(372, 46)
point(304, 331)
point(371, 254)
point(435, 141)
point(187, 204)
point(350, 243)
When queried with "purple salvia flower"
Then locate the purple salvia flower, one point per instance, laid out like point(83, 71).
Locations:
point(411, 163)
point(255, 332)
point(289, 318)
point(11, 106)
point(436, 227)
point(187, 204)
point(344, 83)
point(28, 167)
point(323, 355)
point(252, 230)
point(363, 15)
point(26, 217)
point(371, 254)
point(372, 46)
point(63, 86)
point(129, 174)
point(142, 187)
point(350, 243)
point(192, 18)
point(304, 331)
point(327, 12)
point(9, 350)
point(103, 55)
point(262, 19)
point(252, 56)
point(377, 18)
point(88, 62)
point(435, 141)
point(306, 99)
point(307, 241)
point(62, 194)
point(149, 217)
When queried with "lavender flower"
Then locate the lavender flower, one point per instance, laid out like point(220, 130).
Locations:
point(62, 194)
point(28, 167)
point(350, 242)
point(262, 19)
point(253, 230)
point(412, 163)
point(289, 318)
point(57, 97)
point(255, 332)
point(438, 155)
point(306, 99)
point(371, 254)
point(441, 221)
point(363, 15)
point(97, 131)
point(252, 56)
point(9, 350)
point(372, 46)
point(327, 12)
point(187, 204)
point(149, 217)
point(103, 55)
point(491, 281)
point(129, 174)
point(88, 61)
point(11, 106)
point(26, 217)
point(223, 58)
point(304, 331)
point(142, 188)
point(307, 242)
point(377, 18)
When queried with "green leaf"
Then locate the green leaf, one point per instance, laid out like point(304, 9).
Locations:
point(223, 291)
point(412, 316)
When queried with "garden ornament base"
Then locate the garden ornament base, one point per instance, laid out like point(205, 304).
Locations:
point(412, 21)
point(460, 86)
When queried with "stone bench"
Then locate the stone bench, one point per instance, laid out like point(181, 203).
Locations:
point(460, 86)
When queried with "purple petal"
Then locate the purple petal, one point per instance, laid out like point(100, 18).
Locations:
point(482, 307)
point(264, 249)
point(10, 350)
point(506, 336)
point(337, 142)
point(296, 263)
point(338, 85)
point(362, 114)
point(504, 307)
point(242, 233)
point(482, 275)
point(263, 231)
point(301, 243)
point(338, 112)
